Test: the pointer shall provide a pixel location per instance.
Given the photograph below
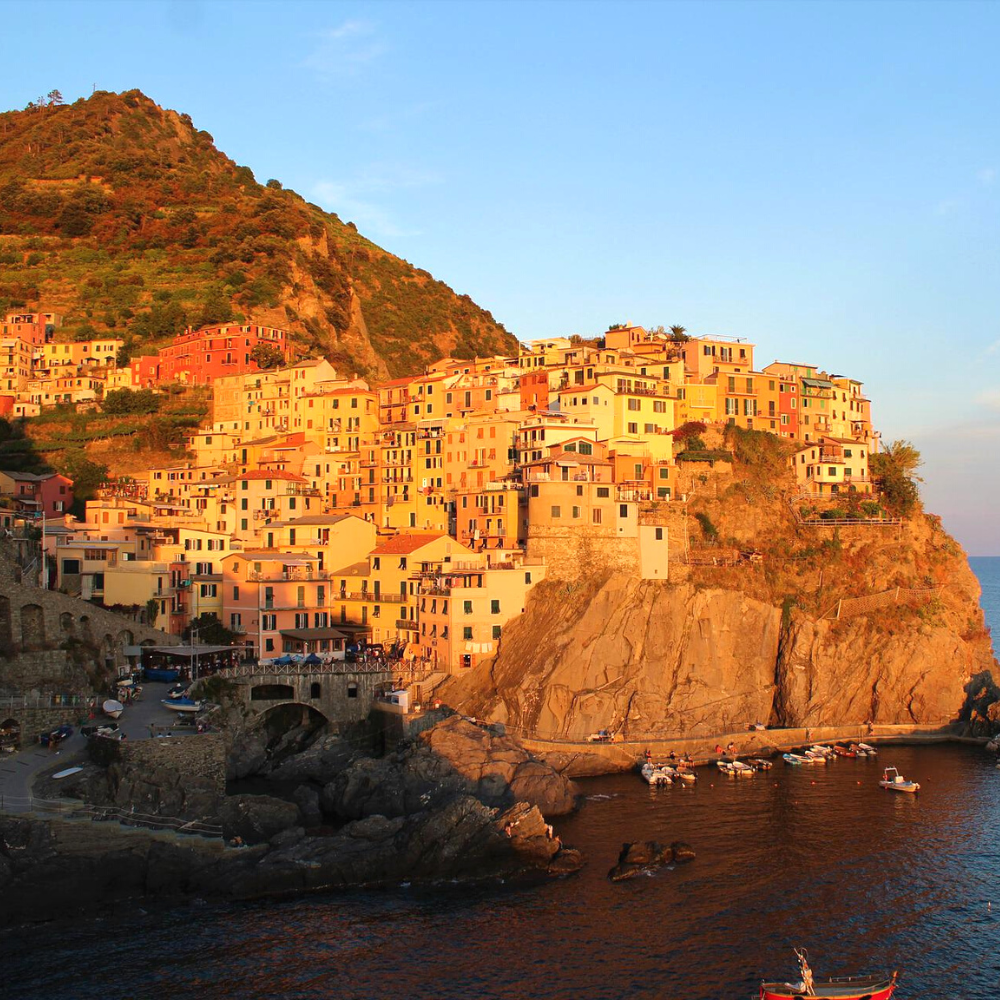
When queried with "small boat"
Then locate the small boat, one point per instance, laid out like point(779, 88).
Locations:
point(177, 691)
point(734, 767)
point(841, 751)
point(813, 757)
point(892, 779)
point(993, 745)
point(794, 759)
point(759, 763)
point(821, 749)
point(682, 775)
point(870, 750)
point(838, 987)
point(181, 704)
point(655, 775)
point(113, 709)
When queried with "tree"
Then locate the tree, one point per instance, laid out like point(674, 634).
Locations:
point(152, 610)
point(55, 98)
point(210, 630)
point(267, 356)
point(893, 472)
point(679, 333)
point(275, 185)
point(120, 402)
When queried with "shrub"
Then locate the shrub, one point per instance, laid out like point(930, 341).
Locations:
point(708, 529)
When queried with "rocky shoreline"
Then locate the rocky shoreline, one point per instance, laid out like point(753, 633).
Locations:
point(462, 801)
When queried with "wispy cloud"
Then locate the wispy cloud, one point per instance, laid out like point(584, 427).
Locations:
point(993, 348)
point(990, 398)
point(346, 50)
point(360, 200)
point(987, 175)
point(948, 206)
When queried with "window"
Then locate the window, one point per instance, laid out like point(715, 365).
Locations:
point(585, 448)
point(659, 534)
point(576, 512)
point(467, 632)
point(633, 404)
point(236, 622)
point(71, 566)
point(352, 690)
point(467, 607)
point(402, 561)
point(208, 590)
point(496, 632)
point(269, 645)
point(603, 492)
point(732, 407)
point(556, 512)
point(659, 406)
point(527, 578)
point(494, 607)
point(633, 428)
point(302, 620)
point(268, 622)
point(376, 563)
point(597, 516)
point(623, 510)
point(579, 491)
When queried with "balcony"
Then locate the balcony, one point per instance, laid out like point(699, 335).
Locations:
point(406, 623)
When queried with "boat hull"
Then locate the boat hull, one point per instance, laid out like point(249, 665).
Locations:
point(177, 706)
point(862, 988)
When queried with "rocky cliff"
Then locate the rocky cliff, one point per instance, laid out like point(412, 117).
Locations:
point(717, 646)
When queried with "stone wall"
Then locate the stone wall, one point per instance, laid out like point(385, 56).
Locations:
point(32, 618)
point(582, 551)
point(200, 755)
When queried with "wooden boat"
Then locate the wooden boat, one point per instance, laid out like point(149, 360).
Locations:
point(835, 988)
point(113, 709)
point(181, 704)
point(894, 781)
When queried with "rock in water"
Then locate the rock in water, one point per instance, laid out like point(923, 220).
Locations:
point(682, 852)
point(645, 855)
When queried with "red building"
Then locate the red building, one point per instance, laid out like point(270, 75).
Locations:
point(49, 494)
point(33, 328)
point(199, 357)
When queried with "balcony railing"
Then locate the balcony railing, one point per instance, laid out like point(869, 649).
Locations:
point(406, 623)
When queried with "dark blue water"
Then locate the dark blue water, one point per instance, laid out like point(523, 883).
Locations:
point(823, 858)
point(987, 568)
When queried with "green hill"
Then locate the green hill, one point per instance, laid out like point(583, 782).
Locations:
point(125, 218)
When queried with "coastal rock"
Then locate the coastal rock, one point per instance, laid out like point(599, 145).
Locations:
point(643, 856)
point(319, 762)
point(307, 799)
point(256, 818)
point(682, 852)
point(455, 757)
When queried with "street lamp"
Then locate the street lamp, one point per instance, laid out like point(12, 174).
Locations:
point(194, 654)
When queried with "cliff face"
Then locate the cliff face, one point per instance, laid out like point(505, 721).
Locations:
point(650, 657)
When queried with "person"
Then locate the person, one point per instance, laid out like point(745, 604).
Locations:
point(731, 748)
point(673, 756)
point(718, 748)
point(649, 756)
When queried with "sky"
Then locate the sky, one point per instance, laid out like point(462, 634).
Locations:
point(822, 179)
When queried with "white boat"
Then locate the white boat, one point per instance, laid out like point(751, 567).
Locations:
point(655, 775)
point(820, 749)
point(812, 757)
point(734, 767)
point(993, 745)
point(894, 781)
point(870, 750)
point(181, 704)
point(113, 709)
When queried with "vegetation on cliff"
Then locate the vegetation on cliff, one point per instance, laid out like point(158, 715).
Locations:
point(124, 217)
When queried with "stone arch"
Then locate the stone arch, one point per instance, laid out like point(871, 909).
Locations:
point(306, 720)
point(66, 622)
point(125, 638)
point(32, 625)
point(6, 629)
point(148, 642)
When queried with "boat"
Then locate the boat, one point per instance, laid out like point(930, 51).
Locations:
point(841, 751)
point(875, 987)
point(177, 691)
point(734, 767)
point(870, 750)
point(113, 709)
point(794, 759)
point(813, 757)
point(892, 779)
point(759, 763)
point(181, 704)
point(655, 775)
point(994, 744)
point(819, 748)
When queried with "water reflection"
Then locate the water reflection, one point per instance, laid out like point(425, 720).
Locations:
point(865, 879)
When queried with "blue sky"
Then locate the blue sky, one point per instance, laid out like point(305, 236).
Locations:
point(822, 179)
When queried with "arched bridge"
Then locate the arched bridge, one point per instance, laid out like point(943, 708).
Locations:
point(341, 692)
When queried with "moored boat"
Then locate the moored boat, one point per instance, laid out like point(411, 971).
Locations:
point(113, 709)
point(181, 704)
point(870, 750)
point(841, 751)
point(894, 781)
point(759, 763)
point(794, 759)
point(876, 987)
point(655, 775)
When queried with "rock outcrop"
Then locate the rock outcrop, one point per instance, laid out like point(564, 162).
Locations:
point(645, 856)
point(646, 658)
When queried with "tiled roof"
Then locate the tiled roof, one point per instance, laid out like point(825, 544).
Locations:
point(404, 544)
point(262, 474)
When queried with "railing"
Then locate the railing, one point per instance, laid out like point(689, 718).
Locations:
point(329, 665)
point(406, 623)
point(44, 701)
point(71, 810)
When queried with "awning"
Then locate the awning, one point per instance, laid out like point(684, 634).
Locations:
point(189, 652)
point(311, 634)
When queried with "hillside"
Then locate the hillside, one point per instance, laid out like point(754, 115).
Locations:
point(125, 218)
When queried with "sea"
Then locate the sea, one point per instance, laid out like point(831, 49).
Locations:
point(816, 858)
